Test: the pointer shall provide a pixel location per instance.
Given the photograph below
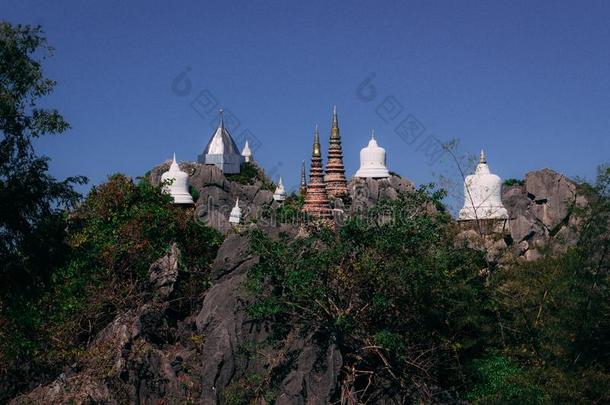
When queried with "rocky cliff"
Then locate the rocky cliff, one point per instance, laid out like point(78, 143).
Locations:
point(218, 354)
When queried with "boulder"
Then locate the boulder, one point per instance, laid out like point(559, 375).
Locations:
point(540, 212)
point(553, 195)
point(164, 272)
point(365, 193)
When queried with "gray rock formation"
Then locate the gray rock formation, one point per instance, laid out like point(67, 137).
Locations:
point(365, 193)
point(164, 272)
point(218, 353)
point(207, 358)
point(540, 218)
point(217, 194)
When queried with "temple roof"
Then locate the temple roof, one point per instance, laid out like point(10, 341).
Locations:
point(222, 142)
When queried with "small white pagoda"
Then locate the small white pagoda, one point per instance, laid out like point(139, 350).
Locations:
point(178, 184)
point(280, 192)
point(372, 161)
point(247, 153)
point(235, 215)
point(483, 194)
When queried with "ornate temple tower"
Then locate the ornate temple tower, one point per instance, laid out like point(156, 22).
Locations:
point(336, 185)
point(316, 199)
point(303, 187)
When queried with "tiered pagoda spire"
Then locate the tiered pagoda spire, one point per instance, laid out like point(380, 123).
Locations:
point(336, 185)
point(316, 199)
point(303, 187)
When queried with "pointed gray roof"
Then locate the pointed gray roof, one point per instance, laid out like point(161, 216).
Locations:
point(221, 144)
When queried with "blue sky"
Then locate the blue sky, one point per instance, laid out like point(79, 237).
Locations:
point(527, 81)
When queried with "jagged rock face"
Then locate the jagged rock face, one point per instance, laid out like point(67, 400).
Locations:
point(540, 213)
point(553, 194)
point(366, 192)
point(125, 362)
point(146, 357)
point(539, 217)
point(164, 272)
point(223, 319)
point(217, 194)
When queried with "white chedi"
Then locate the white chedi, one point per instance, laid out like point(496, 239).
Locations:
point(177, 184)
point(235, 215)
point(280, 192)
point(372, 161)
point(247, 153)
point(483, 194)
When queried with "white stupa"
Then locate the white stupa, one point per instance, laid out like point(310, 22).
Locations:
point(178, 188)
point(483, 194)
point(235, 216)
point(247, 153)
point(372, 161)
point(280, 192)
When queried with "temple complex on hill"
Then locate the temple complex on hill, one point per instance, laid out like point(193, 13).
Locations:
point(482, 190)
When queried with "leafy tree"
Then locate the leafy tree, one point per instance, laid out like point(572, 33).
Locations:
point(32, 202)
point(404, 305)
point(114, 235)
point(556, 313)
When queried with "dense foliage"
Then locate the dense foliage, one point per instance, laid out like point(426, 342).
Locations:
point(31, 201)
point(390, 289)
point(415, 317)
point(113, 237)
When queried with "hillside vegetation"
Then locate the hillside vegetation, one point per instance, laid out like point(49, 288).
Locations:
point(122, 297)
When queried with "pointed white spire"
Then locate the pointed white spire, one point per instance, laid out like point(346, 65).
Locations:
point(235, 216)
point(482, 158)
point(247, 153)
point(174, 165)
point(280, 191)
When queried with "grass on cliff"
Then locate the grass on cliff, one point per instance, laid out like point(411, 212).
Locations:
point(251, 174)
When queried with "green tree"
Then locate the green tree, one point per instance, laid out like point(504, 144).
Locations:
point(32, 202)
point(405, 306)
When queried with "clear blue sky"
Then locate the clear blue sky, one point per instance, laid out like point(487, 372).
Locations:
point(529, 81)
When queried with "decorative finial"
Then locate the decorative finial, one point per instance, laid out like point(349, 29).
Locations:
point(335, 119)
point(482, 158)
point(280, 184)
point(303, 180)
point(237, 202)
point(316, 143)
point(222, 120)
point(174, 160)
point(372, 134)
